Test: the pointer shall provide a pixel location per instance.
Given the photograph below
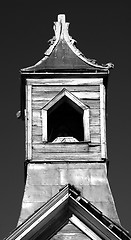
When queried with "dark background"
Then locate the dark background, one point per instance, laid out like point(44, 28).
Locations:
point(103, 31)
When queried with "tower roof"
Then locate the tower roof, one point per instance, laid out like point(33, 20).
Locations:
point(63, 54)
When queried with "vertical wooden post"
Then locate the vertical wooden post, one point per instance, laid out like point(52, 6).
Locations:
point(29, 121)
point(86, 125)
point(44, 125)
point(103, 121)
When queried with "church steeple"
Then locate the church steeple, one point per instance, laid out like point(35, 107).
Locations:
point(65, 120)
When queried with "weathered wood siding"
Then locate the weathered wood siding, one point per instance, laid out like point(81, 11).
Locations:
point(89, 94)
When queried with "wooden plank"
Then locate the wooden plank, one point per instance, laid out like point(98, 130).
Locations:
point(95, 129)
point(38, 90)
point(81, 95)
point(94, 112)
point(90, 149)
point(37, 130)
point(103, 122)
point(36, 138)
point(39, 104)
point(95, 149)
point(44, 125)
point(37, 116)
point(84, 228)
point(43, 217)
point(69, 95)
point(86, 125)
point(65, 81)
point(94, 121)
point(63, 147)
point(29, 121)
point(87, 95)
point(95, 138)
point(92, 103)
point(37, 122)
point(91, 221)
point(66, 157)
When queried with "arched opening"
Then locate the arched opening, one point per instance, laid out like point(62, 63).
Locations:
point(65, 119)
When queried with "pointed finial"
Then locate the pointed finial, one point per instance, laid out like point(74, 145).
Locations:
point(61, 18)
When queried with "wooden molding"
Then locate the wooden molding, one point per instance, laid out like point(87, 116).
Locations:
point(82, 107)
point(103, 122)
point(84, 228)
point(28, 122)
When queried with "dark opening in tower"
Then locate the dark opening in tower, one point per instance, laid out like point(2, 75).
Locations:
point(65, 119)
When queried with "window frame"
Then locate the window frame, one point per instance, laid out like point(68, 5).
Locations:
point(74, 99)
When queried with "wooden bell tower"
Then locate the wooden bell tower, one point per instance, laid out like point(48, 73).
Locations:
point(64, 106)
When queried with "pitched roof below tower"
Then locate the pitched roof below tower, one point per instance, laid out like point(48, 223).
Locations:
point(68, 206)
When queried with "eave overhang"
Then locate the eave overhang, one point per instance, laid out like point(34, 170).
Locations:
point(68, 205)
point(62, 54)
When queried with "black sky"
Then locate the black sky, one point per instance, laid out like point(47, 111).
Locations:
point(103, 32)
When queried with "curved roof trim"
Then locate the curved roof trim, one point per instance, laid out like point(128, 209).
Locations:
point(61, 33)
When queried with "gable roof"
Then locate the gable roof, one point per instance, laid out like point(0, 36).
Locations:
point(63, 54)
point(68, 205)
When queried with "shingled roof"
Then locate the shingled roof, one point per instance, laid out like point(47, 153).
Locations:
point(63, 54)
point(68, 206)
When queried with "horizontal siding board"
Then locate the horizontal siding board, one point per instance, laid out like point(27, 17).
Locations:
point(65, 81)
point(40, 90)
point(94, 149)
point(66, 156)
point(95, 129)
point(47, 96)
point(39, 104)
point(48, 148)
point(37, 139)
point(94, 121)
point(37, 130)
point(37, 117)
point(43, 148)
point(95, 139)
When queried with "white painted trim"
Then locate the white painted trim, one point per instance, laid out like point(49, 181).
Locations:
point(86, 125)
point(103, 122)
point(84, 228)
point(26, 127)
point(44, 125)
point(60, 95)
point(67, 73)
point(29, 121)
point(33, 225)
point(91, 214)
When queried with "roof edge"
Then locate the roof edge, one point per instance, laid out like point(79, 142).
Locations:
point(69, 195)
